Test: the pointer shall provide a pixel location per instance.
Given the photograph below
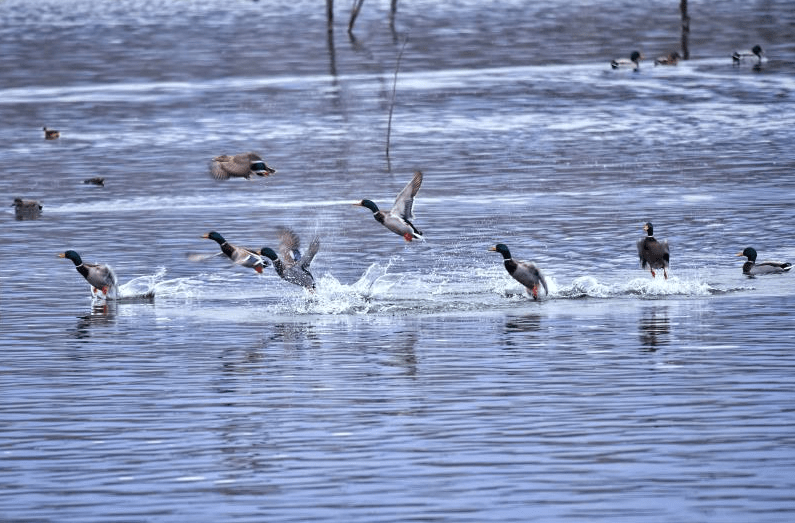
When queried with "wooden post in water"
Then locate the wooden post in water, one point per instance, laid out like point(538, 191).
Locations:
point(685, 30)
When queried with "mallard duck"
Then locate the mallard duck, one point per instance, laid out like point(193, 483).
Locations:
point(525, 273)
point(290, 265)
point(398, 219)
point(240, 255)
point(653, 253)
point(101, 277)
point(26, 209)
point(51, 134)
point(671, 59)
point(751, 268)
point(239, 166)
point(633, 62)
point(740, 56)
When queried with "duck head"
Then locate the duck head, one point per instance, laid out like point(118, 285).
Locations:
point(649, 228)
point(757, 50)
point(72, 255)
point(269, 253)
point(749, 253)
point(502, 249)
point(212, 235)
point(369, 204)
point(635, 56)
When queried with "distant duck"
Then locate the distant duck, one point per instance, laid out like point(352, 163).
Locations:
point(99, 276)
point(239, 255)
point(623, 63)
point(740, 56)
point(525, 273)
point(95, 181)
point(653, 253)
point(671, 59)
point(751, 268)
point(398, 219)
point(242, 165)
point(26, 209)
point(290, 265)
point(51, 134)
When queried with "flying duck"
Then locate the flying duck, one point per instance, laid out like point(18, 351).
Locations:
point(525, 273)
point(671, 59)
point(653, 253)
point(740, 56)
point(290, 265)
point(622, 63)
point(398, 219)
point(51, 134)
point(239, 255)
point(239, 166)
point(99, 276)
point(751, 268)
point(26, 209)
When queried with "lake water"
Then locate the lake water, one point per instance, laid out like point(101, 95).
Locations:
point(419, 383)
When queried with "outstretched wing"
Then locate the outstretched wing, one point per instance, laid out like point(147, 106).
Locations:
point(404, 203)
point(289, 246)
point(199, 257)
point(310, 253)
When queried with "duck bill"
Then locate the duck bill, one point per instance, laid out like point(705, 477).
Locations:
point(492, 249)
point(739, 254)
point(206, 236)
point(61, 255)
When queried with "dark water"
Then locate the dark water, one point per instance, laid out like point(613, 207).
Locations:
point(419, 383)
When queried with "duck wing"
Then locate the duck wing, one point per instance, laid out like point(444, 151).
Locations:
point(310, 252)
point(100, 275)
point(528, 275)
point(770, 267)
point(225, 166)
point(404, 203)
point(289, 247)
point(653, 253)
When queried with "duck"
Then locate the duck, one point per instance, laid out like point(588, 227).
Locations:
point(239, 166)
point(398, 219)
point(97, 180)
point(751, 268)
point(740, 56)
point(101, 277)
point(51, 134)
point(239, 255)
point(525, 273)
point(289, 264)
point(622, 63)
point(652, 252)
point(671, 59)
point(26, 209)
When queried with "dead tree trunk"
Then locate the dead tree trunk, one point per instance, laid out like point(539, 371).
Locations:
point(685, 30)
point(357, 6)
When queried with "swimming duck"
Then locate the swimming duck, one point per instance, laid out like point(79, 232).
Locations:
point(751, 268)
point(95, 181)
point(671, 59)
point(240, 255)
point(739, 56)
point(525, 273)
point(26, 209)
point(398, 219)
point(99, 276)
point(51, 134)
point(622, 63)
point(239, 166)
point(289, 263)
point(653, 253)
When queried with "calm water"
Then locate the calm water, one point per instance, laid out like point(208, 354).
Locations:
point(419, 383)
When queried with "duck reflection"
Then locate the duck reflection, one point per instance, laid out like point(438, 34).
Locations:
point(404, 354)
point(654, 328)
point(102, 314)
point(519, 325)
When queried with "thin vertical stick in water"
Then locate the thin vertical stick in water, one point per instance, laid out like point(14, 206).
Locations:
point(392, 102)
point(357, 6)
point(685, 30)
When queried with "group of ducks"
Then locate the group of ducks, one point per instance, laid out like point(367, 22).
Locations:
point(633, 62)
point(292, 265)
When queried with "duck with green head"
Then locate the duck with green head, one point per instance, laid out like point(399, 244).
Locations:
point(751, 268)
point(633, 62)
point(239, 255)
point(525, 273)
point(101, 277)
point(289, 264)
point(242, 165)
point(653, 253)
point(739, 56)
point(398, 219)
